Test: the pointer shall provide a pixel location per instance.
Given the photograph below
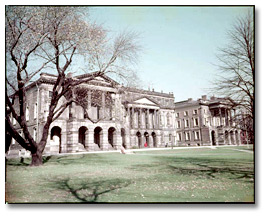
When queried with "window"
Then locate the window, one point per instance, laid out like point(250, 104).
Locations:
point(27, 113)
point(177, 115)
point(196, 122)
point(168, 119)
point(170, 137)
point(178, 124)
point(186, 113)
point(35, 111)
point(187, 136)
point(161, 120)
point(50, 94)
point(179, 136)
point(186, 123)
point(196, 135)
point(34, 134)
point(218, 121)
point(195, 112)
point(13, 121)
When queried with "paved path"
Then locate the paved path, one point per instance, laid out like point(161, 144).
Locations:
point(130, 151)
point(242, 150)
point(152, 149)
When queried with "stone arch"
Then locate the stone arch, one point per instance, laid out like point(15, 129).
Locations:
point(146, 138)
point(232, 137)
point(154, 137)
point(82, 135)
point(97, 135)
point(56, 136)
point(236, 138)
point(139, 137)
point(123, 136)
point(227, 138)
point(112, 136)
point(213, 136)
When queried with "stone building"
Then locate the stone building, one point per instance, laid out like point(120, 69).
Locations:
point(121, 116)
point(205, 122)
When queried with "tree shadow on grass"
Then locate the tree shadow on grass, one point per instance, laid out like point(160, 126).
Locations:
point(24, 162)
point(212, 168)
point(90, 192)
point(80, 159)
point(202, 167)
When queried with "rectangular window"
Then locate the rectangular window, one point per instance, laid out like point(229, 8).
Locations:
point(218, 121)
point(178, 124)
point(179, 137)
point(34, 134)
point(186, 113)
point(195, 112)
point(186, 123)
point(177, 115)
point(13, 121)
point(187, 136)
point(196, 122)
point(35, 111)
point(98, 112)
point(27, 113)
point(196, 135)
point(161, 120)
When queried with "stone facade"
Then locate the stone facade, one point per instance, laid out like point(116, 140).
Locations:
point(122, 117)
point(205, 122)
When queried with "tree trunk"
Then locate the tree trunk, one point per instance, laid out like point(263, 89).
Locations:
point(36, 159)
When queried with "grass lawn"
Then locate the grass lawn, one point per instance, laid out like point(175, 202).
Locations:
point(225, 174)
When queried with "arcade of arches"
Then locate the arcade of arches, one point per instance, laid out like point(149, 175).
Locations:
point(226, 138)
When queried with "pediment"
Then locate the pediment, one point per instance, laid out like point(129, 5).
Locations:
point(103, 79)
point(100, 79)
point(144, 100)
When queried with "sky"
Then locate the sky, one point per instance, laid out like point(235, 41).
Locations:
point(179, 43)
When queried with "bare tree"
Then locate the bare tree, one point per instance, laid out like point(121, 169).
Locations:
point(236, 78)
point(41, 38)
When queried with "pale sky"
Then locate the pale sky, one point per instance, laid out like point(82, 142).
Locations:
point(179, 43)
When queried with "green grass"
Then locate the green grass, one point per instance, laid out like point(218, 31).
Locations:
point(186, 175)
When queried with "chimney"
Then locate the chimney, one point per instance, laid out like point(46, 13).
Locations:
point(204, 97)
point(213, 98)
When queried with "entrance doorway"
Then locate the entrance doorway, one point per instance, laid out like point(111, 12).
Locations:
point(213, 135)
point(82, 134)
point(56, 136)
point(97, 134)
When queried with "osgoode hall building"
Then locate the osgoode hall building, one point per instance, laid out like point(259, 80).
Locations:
point(124, 117)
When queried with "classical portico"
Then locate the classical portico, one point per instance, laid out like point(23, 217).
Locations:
point(143, 118)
